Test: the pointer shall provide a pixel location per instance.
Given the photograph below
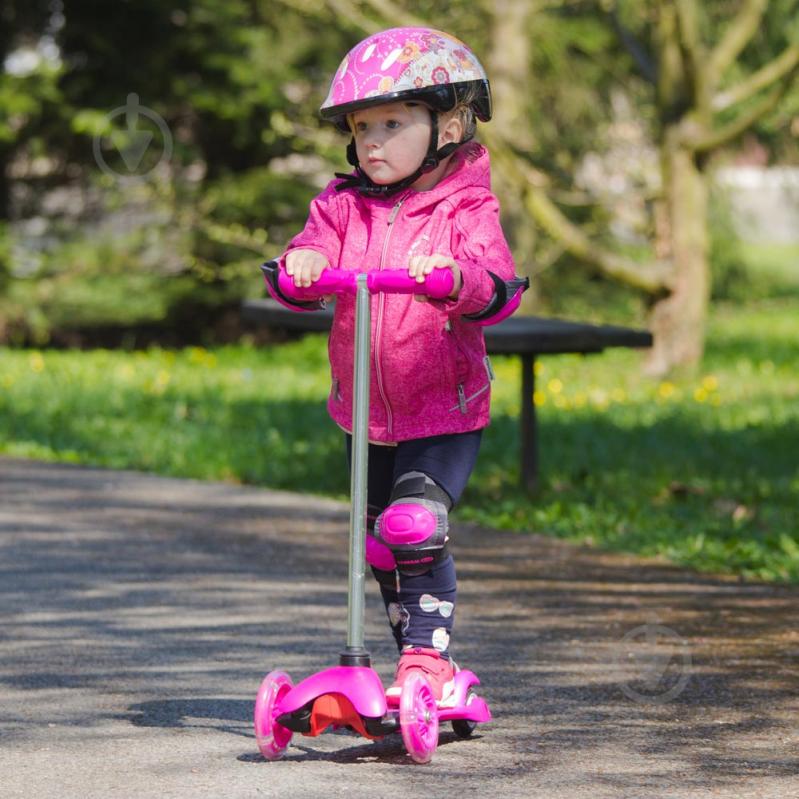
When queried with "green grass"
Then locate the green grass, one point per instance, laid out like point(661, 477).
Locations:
point(700, 470)
point(776, 263)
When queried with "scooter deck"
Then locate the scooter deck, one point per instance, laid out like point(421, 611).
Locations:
point(354, 698)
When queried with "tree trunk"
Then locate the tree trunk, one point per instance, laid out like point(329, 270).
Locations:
point(5, 183)
point(678, 319)
point(508, 64)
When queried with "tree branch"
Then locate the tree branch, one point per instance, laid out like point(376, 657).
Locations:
point(503, 153)
point(388, 14)
point(346, 10)
point(640, 56)
point(716, 138)
point(736, 37)
point(692, 48)
point(780, 67)
point(308, 7)
point(652, 278)
point(394, 15)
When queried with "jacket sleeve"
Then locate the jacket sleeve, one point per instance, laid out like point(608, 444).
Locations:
point(478, 247)
point(323, 230)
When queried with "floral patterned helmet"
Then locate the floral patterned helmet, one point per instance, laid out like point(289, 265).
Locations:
point(401, 64)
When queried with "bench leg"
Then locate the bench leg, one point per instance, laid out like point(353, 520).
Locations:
point(529, 434)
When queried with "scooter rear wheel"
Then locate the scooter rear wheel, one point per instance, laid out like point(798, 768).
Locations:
point(273, 739)
point(418, 718)
point(464, 728)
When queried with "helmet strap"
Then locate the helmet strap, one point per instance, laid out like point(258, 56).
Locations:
point(365, 185)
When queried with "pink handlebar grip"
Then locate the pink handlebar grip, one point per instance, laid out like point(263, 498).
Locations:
point(438, 284)
point(331, 281)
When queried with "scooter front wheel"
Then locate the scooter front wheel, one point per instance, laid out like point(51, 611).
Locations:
point(273, 739)
point(418, 718)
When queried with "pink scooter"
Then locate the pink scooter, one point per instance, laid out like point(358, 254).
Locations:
point(351, 694)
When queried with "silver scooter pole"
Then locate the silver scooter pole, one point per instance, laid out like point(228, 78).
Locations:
point(355, 654)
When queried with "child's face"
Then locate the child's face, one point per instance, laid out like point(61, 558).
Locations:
point(391, 140)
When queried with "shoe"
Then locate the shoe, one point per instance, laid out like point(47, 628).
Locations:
point(438, 670)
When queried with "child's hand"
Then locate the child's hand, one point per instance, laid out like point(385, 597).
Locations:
point(305, 266)
point(421, 265)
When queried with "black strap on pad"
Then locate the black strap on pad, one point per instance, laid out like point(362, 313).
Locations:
point(420, 486)
point(504, 290)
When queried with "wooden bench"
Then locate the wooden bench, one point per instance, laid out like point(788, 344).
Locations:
point(525, 336)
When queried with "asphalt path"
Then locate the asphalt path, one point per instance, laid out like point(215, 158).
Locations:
point(138, 615)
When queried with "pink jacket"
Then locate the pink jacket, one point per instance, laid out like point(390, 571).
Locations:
point(430, 373)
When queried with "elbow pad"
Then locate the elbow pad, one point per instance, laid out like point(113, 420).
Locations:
point(506, 299)
point(271, 269)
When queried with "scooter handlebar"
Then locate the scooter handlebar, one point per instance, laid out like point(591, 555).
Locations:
point(438, 284)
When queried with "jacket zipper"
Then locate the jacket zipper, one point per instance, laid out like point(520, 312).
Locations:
point(381, 301)
point(463, 400)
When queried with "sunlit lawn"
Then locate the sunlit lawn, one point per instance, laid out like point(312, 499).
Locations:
point(702, 470)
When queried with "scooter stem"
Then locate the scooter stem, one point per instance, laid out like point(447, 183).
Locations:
point(355, 654)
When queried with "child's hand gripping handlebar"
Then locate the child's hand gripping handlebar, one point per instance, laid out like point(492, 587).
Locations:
point(437, 285)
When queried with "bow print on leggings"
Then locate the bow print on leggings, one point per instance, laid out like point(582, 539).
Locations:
point(429, 604)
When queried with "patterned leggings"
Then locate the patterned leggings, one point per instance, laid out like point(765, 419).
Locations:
point(421, 608)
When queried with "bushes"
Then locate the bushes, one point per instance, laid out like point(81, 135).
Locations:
point(154, 260)
point(744, 271)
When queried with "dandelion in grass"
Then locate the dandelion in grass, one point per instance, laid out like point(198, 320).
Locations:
point(36, 362)
point(599, 399)
point(125, 371)
point(201, 357)
point(555, 386)
point(666, 390)
point(539, 398)
point(160, 384)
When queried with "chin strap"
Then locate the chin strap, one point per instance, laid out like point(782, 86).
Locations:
point(365, 185)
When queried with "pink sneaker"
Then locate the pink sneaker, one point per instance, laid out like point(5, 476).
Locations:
point(439, 672)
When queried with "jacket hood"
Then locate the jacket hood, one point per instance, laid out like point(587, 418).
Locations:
point(470, 168)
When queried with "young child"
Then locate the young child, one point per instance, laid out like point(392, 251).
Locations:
point(419, 199)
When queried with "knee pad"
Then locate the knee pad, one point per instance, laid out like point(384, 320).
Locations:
point(413, 528)
point(378, 554)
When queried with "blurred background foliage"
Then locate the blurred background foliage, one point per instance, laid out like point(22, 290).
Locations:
point(154, 152)
point(166, 252)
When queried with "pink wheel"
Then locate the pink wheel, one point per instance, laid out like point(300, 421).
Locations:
point(272, 738)
point(418, 718)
